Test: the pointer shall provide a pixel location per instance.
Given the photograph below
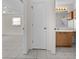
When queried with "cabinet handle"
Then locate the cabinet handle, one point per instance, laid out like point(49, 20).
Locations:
point(45, 28)
point(23, 28)
point(32, 7)
point(54, 28)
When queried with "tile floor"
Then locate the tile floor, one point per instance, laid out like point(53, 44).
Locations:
point(61, 53)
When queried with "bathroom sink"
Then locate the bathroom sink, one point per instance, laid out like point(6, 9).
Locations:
point(65, 29)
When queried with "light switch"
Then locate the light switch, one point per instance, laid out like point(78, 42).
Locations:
point(16, 21)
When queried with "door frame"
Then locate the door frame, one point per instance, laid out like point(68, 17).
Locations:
point(52, 29)
point(49, 33)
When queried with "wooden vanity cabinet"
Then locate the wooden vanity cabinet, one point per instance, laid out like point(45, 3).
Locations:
point(64, 39)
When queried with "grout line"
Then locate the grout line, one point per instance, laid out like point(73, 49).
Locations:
point(36, 54)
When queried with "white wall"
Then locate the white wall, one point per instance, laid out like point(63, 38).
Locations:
point(51, 25)
point(12, 9)
point(14, 39)
point(70, 4)
point(64, 1)
point(13, 6)
point(29, 24)
point(26, 42)
point(7, 26)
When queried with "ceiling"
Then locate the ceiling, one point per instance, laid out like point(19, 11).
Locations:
point(13, 6)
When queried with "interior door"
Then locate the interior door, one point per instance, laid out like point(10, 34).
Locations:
point(39, 26)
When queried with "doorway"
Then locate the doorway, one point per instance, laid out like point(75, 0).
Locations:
point(39, 25)
point(43, 25)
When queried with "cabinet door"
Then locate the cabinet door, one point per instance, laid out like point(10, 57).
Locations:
point(64, 39)
point(68, 39)
point(60, 38)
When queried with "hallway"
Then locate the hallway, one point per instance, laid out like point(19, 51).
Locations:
point(31, 29)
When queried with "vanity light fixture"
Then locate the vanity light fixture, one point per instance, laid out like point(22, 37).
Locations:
point(61, 9)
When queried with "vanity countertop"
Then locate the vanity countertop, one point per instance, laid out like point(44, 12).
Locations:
point(66, 30)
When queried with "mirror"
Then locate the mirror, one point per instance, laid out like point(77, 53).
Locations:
point(65, 19)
